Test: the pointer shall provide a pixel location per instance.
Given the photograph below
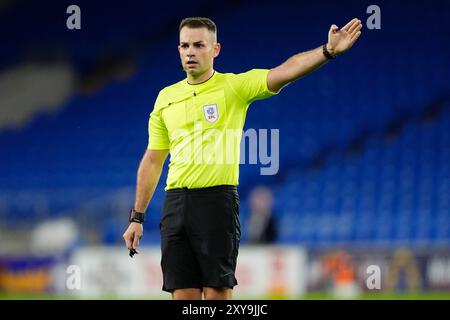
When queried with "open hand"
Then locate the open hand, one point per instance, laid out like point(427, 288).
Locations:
point(340, 40)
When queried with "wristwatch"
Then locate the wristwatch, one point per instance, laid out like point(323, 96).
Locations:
point(327, 53)
point(135, 216)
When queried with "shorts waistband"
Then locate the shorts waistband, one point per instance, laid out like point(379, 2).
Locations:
point(223, 187)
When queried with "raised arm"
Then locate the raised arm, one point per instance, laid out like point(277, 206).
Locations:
point(339, 41)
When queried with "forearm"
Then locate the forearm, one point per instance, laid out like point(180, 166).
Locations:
point(298, 66)
point(148, 176)
point(304, 63)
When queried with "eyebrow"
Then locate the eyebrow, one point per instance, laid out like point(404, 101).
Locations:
point(197, 42)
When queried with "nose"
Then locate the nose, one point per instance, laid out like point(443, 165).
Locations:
point(190, 52)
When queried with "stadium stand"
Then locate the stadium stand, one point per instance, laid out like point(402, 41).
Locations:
point(364, 142)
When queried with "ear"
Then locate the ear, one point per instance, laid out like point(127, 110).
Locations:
point(217, 48)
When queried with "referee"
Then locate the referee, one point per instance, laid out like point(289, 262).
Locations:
point(200, 228)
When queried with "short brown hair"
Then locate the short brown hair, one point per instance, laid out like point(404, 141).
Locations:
point(198, 22)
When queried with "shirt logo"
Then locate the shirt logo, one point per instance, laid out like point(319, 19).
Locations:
point(211, 113)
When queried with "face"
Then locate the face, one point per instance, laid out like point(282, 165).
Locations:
point(197, 48)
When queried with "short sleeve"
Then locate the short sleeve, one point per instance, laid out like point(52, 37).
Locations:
point(158, 138)
point(251, 85)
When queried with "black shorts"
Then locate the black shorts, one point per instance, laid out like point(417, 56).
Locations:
point(200, 235)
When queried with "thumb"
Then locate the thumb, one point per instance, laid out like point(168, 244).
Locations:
point(333, 29)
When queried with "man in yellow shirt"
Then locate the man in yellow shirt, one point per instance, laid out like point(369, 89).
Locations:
point(199, 121)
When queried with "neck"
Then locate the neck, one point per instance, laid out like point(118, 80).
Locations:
point(200, 78)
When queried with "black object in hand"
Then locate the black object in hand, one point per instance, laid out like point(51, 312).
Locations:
point(133, 252)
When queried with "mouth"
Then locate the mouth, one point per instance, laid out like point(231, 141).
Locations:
point(192, 64)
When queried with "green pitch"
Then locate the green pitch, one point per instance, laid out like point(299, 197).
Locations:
point(310, 296)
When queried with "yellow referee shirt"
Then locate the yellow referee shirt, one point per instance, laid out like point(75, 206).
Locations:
point(202, 124)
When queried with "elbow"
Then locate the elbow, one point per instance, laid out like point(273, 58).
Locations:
point(278, 78)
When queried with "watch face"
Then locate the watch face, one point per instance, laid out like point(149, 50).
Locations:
point(136, 216)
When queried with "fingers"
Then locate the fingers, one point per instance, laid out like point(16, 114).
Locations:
point(133, 235)
point(355, 37)
point(128, 240)
point(356, 25)
point(136, 241)
point(355, 33)
point(349, 24)
point(132, 240)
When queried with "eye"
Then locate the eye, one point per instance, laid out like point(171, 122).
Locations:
point(184, 46)
point(199, 45)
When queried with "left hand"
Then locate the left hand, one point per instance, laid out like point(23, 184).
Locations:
point(340, 40)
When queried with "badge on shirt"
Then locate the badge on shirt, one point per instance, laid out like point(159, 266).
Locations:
point(211, 113)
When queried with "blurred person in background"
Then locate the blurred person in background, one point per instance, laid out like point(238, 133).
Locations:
point(339, 268)
point(403, 273)
point(262, 227)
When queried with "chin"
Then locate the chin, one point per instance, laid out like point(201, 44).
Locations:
point(193, 72)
